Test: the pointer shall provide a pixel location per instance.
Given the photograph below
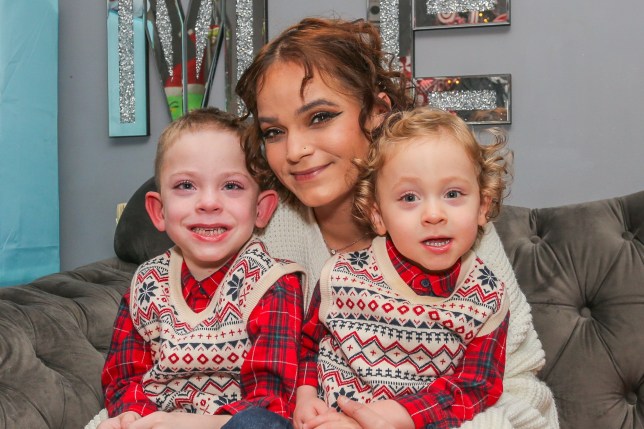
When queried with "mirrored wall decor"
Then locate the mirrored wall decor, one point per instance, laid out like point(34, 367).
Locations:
point(435, 14)
point(246, 32)
point(127, 73)
point(205, 39)
point(186, 47)
point(480, 99)
point(394, 18)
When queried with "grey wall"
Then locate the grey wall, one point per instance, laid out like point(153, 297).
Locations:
point(577, 99)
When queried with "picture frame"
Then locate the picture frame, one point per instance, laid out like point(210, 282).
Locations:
point(477, 99)
point(127, 69)
point(441, 14)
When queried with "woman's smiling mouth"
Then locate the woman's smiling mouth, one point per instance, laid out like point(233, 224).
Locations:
point(308, 174)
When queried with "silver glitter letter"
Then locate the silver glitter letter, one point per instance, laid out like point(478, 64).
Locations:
point(245, 35)
point(127, 68)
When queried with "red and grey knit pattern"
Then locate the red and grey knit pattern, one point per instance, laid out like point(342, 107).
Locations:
point(385, 340)
point(198, 356)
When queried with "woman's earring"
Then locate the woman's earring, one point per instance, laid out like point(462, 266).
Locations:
point(262, 149)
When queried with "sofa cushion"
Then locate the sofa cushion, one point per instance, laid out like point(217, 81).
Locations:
point(136, 239)
point(582, 269)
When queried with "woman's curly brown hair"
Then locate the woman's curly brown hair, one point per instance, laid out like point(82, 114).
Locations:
point(493, 162)
point(346, 55)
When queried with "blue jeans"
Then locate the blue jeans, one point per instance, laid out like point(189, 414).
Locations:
point(257, 417)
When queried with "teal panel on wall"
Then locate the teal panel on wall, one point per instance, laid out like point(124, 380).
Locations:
point(29, 208)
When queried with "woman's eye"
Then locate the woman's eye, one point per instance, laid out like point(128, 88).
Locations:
point(321, 117)
point(452, 194)
point(232, 186)
point(184, 186)
point(271, 134)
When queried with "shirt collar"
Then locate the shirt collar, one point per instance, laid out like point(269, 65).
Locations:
point(440, 284)
point(208, 285)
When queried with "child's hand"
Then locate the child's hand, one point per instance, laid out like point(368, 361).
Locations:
point(306, 410)
point(307, 406)
point(119, 422)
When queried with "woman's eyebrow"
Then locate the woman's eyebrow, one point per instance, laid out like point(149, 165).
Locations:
point(301, 110)
point(315, 103)
point(266, 119)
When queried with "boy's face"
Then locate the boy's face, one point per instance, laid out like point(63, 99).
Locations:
point(208, 202)
point(428, 200)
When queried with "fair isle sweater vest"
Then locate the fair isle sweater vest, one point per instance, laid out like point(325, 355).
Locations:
point(386, 341)
point(198, 356)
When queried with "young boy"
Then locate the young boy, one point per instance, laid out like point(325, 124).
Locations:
point(415, 325)
point(211, 327)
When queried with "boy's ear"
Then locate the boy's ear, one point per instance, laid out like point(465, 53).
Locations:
point(266, 204)
point(154, 207)
point(484, 209)
point(376, 221)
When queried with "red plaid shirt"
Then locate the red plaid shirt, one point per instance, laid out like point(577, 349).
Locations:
point(267, 375)
point(449, 400)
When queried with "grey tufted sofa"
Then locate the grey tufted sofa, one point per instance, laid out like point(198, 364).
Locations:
point(581, 267)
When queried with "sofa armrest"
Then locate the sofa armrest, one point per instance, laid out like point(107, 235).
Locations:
point(54, 333)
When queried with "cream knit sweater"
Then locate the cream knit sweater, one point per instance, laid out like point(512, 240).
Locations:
point(526, 403)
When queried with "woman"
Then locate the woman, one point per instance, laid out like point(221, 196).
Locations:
point(317, 94)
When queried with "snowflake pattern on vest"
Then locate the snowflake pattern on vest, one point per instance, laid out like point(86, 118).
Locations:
point(198, 356)
point(385, 341)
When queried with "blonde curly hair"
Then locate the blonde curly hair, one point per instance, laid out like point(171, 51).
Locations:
point(493, 162)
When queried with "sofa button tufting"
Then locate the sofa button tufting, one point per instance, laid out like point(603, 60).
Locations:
point(585, 312)
point(535, 239)
point(627, 235)
point(631, 398)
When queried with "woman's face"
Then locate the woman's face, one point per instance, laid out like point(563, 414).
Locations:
point(312, 139)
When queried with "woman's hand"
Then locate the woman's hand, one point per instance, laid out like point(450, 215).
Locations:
point(163, 420)
point(363, 415)
point(119, 422)
point(332, 420)
point(383, 414)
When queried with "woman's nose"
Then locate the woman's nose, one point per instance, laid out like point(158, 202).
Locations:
point(297, 147)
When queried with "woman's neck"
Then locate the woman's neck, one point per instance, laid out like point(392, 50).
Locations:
point(340, 231)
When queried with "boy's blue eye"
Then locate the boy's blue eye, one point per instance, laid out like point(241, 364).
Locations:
point(452, 194)
point(185, 185)
point(409, 198)
point(232, 186)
